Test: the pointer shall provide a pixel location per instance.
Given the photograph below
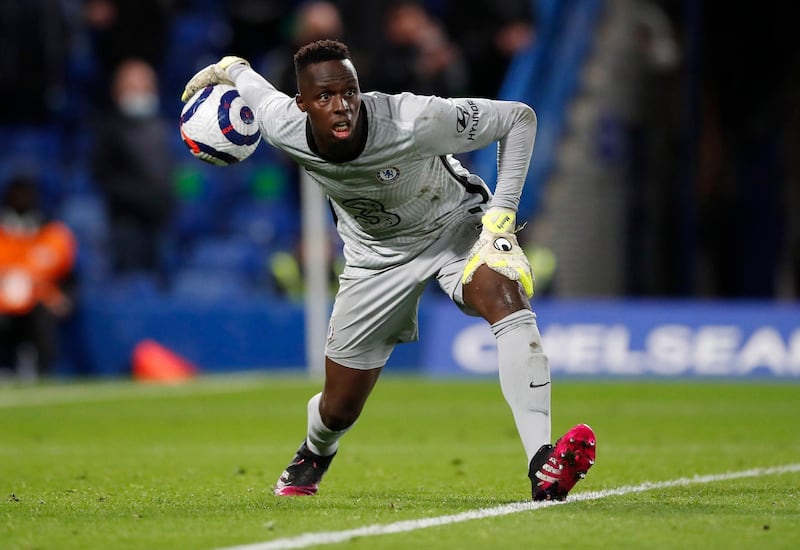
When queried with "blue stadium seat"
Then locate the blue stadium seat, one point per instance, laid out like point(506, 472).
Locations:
point(194, 42)
point(210, 285)
point(269, 224)
point(43, 142)
point(86, 216)
point(237, 254)
point(136, 288)
point(36, 152)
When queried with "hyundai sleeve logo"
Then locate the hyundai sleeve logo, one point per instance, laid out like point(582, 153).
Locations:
point(462, 117)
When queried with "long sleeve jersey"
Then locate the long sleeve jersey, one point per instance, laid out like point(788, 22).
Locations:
point(405, 189)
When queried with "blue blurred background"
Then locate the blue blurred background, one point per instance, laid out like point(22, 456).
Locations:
point(663, 191)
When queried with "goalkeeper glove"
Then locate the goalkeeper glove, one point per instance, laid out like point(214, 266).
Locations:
point(213, 74)
point(497, 247)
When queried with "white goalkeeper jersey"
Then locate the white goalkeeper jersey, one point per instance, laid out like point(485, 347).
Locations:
point(405, 190)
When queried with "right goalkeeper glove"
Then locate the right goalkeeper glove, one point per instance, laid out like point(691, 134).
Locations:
point(497, 247)
point(213, 74)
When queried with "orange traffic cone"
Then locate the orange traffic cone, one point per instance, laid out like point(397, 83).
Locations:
point(153, 362)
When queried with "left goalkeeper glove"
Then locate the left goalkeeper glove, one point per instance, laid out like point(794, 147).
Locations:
point(213, 74)
point(497, 247)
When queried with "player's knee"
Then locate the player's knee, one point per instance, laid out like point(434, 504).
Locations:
point(494, 296)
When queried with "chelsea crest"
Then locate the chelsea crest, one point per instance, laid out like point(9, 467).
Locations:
point(388, 174)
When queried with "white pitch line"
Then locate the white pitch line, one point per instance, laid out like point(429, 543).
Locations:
point(331, 537)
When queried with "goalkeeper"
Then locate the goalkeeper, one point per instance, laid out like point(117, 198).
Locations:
point(408, 212)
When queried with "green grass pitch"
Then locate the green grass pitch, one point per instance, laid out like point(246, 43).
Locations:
point(120, 465)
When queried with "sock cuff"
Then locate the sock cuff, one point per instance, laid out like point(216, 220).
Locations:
point(320, 439)
point(521, 317)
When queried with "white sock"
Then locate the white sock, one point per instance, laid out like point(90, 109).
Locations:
point(321, 440)
point(525, 377)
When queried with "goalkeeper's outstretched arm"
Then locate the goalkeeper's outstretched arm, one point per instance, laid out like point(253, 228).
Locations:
point(236, 71)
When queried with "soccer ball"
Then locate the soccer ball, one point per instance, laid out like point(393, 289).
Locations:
point(218, 126)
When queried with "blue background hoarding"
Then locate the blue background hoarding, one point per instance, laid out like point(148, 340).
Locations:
point(581, 338)
point(632, 338)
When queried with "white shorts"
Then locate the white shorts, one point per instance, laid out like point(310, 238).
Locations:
point(376, 309)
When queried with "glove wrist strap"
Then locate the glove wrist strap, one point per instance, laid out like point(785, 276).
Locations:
point(499, 220)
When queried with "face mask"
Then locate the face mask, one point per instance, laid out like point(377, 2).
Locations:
point(139, 105)
point(20, 224)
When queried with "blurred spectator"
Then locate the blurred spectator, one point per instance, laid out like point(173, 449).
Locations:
point(417, 55)
point(37, 258)
point(315, 20)
point(489, 34)
point(124, 29)
point(34, 43)
point(364, 34)
point(133, 167)
point(257, 27)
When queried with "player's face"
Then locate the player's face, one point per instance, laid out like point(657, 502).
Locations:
point(330, 95)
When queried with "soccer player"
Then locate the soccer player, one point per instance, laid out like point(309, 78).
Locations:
point(407, 212)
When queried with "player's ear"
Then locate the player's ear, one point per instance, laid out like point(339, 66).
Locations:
point(299, 100)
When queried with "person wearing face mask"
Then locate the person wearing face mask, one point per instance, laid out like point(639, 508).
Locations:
point(133, 169)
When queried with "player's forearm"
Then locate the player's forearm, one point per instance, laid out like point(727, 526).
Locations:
point(253, 87)
point(513, 158)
